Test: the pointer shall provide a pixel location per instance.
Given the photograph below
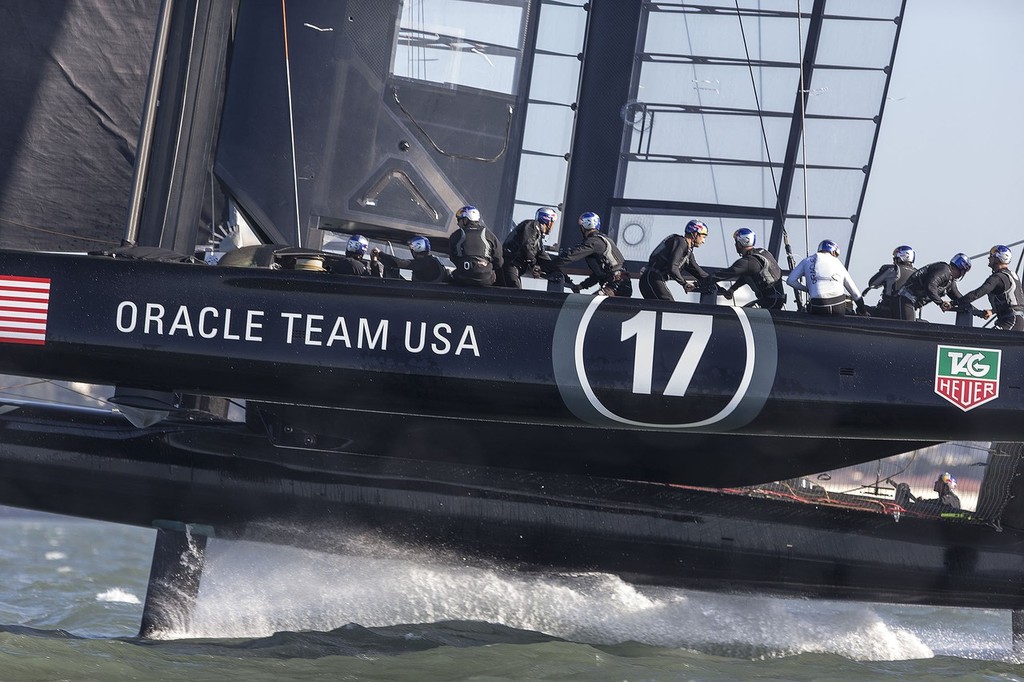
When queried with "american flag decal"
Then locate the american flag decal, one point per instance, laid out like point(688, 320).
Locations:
point(24, 302)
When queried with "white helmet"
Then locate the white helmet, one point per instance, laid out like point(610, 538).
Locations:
point(419, 244)
point(357, 244)
point(466, 215)
point(1001, 254)
point(589, 221)
point(744, 237)
point(546, 216)
point(903, 254)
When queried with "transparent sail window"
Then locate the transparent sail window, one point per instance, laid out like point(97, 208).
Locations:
point(461, 42)
point(722, 119)
point(550, 114)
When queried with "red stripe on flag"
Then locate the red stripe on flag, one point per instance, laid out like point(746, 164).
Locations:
point(30, 342)
point(12, 278)
point(24, 307)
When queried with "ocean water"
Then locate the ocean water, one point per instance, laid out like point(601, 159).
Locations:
point(72, 593)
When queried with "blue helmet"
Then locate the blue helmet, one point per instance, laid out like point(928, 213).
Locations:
point(744, 237)
point(357, 245)
point(589, 221)
point(419, 245)
point(903, 254)
point(696, 227)
point(546, 216)
point(962, 262)
point(829, 246)
point(466, 215)
point(1001, 254)
point(946, 480)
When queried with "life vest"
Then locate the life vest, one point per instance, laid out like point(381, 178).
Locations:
point(769, 275)
point(473, 243)
point(611, 260)
point(472, 252)
point(523, 244)
point(660, 262)
point(1011, 298)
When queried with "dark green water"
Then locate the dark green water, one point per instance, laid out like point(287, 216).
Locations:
point(72, 592)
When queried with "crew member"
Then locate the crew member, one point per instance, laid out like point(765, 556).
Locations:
point(930, 284)
point(523, 249)
point(607, 266)
point(474, 250)
point(890, 278)
point(1004, 292)
point(827, 282)
point(756, 268)
point(425, 266)
point(375, 267)
point(353, 263)
point(668, 260)
point(945, 485)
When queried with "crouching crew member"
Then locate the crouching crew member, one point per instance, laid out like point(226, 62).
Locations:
point(756, 268)
point(425, 266)
point(353, 263)
point(1003, 290)
point(930, 284)
point(474, 250)
point(523, 249)
point(668, 260)
point(604, 259)
point(890, 278)
point(945, 486)
point(828, 282)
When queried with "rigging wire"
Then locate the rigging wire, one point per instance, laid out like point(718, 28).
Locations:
point(291, 125)
point(803, 122)
point(58, 233)
point(790, 260)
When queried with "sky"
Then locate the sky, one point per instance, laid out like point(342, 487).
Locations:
point(948, 172)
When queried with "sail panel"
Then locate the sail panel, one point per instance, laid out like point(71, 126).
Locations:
point(725, 98)
point(69, 124)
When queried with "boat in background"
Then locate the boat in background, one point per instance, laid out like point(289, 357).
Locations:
point(552, 431)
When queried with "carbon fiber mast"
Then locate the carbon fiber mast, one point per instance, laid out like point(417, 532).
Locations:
point(181, 116)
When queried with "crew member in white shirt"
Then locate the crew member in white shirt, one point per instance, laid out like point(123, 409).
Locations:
point(827, 282)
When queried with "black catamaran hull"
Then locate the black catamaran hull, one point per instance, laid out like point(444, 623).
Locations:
point(220, 480)
point(677, 393)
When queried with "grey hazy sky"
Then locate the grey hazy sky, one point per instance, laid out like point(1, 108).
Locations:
point(949, 168)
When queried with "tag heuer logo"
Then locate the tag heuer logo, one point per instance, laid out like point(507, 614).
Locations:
point(967, 377)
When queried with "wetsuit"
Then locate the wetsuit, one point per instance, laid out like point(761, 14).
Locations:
point(890, 279)
point(828, 283)
point(607, 266)
point(476, 253)
point(523, 249)
point(375, 268)
point(350, 265)
point(927, 285)
point(425, 267)
point(758, 269)
point(668, 260)
point(1004, 295)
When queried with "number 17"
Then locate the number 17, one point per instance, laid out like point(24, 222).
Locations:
point(643, 327)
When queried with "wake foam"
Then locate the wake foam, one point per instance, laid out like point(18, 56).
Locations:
point(254, 590)
point(116, 594)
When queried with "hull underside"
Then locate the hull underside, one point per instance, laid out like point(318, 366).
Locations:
point(225, 480)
